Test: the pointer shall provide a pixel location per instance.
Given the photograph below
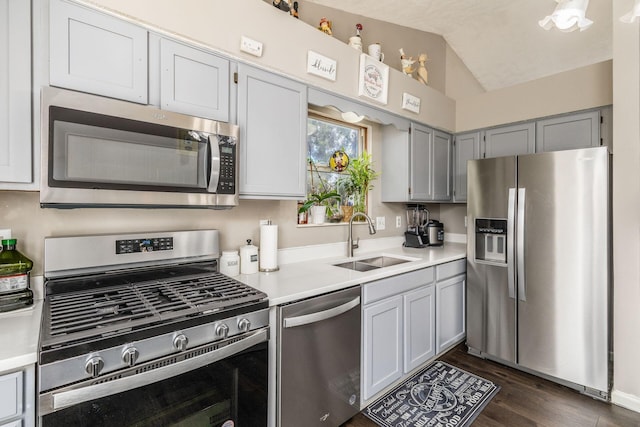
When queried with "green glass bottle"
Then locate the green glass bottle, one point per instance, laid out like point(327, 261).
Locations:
point(14, 267)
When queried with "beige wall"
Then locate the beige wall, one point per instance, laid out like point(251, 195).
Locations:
point(219, 25)
point(579, 89)
point(460, 82)
point(626, 208)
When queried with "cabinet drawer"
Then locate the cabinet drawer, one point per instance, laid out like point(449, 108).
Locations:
point(451, 269)
point(395, 285)
point(16, 423)
point(10, 395)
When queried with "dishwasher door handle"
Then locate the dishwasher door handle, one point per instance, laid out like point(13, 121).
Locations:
point(291, 322)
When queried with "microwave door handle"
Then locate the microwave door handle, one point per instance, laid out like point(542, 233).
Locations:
point(214, 175)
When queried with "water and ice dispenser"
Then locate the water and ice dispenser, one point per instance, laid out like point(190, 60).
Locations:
point(491, 240)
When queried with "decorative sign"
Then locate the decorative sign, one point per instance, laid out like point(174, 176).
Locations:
point(321, 66)
point(374, 79)
point(410, 102)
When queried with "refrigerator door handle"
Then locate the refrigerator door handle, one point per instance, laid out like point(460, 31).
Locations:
point(520, 245)
point(511, 213)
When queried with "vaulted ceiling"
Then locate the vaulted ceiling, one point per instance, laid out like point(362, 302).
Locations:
point(499, 41)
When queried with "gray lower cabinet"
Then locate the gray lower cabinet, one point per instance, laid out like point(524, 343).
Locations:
point(97, 53)
point(578, 130)
point(398, 328)
point(466, 146)
point(272, 114)
point(15, 91)
point(509, 140)
point(416, 165)
point(450, 304)
point(17, 398)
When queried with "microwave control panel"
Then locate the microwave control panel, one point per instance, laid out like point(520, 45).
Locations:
point(227, 180)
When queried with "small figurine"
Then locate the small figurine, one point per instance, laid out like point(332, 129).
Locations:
point(294, 9)
point(325, 26)
point(356, 41)
point(283, 5)
point(407, 63)
point(421, 75)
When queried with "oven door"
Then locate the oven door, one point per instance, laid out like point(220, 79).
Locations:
point(224, 387)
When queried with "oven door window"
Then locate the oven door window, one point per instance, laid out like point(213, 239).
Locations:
point(231, 392)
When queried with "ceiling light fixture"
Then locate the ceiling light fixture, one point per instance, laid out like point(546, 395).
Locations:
point(630, 18)
point(568, 16)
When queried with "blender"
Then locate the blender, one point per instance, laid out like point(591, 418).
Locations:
point(417, 218)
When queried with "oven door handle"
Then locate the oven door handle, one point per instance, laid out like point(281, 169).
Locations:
point(65, 399)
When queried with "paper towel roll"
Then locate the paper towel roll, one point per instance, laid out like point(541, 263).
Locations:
point(268, 247)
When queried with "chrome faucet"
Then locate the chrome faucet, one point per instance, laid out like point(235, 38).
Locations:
point(350, 245)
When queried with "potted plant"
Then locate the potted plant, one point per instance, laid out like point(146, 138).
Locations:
point(357, 182)
point(322, 197)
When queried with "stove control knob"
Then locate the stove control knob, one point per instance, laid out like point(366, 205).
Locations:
point(244, 324)
point(180, 342)
point(222, 331)
point(94, 365)
point(130, 356)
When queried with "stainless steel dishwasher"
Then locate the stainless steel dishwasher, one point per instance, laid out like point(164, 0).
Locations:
point(319, 360)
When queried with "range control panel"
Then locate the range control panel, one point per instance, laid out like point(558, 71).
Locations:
point(144, 245)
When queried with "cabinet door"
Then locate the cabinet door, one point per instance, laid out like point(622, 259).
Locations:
point(11, 393)
point(510, 140)
point(440, 166)
point(193, 81)
point(15, 91)
point(420, 147)
point(466, 147)
point(579, 130)
point(382, 345)
point(419, 327)
point(96, 53)
point(272, 114)
point(450, 312)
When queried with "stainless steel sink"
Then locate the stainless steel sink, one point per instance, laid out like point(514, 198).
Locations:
point(372, 263)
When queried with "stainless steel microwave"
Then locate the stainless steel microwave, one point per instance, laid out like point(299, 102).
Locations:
point(102, 152)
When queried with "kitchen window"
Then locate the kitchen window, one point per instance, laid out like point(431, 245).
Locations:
point(331, 146)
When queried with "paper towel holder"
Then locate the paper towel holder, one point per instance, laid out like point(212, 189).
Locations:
point(263, 248)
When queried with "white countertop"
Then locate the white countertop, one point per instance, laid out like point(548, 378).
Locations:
point(310, 278)
point(20, 329)
point(19, 333)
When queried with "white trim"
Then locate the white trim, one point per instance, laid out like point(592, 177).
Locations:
point(626, 400)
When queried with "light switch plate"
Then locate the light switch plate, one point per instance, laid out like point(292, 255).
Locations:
point(380, 223)
point(251, 46)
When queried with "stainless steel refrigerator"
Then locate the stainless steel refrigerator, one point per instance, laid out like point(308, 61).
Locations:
point(538, 265)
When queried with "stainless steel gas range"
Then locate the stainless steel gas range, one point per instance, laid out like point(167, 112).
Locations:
point(142, 329)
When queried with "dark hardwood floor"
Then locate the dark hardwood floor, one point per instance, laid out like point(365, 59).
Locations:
point(526, 400)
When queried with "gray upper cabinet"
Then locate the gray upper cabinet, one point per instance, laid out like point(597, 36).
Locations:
point(193, 81)
point(441, 162)
point(96, 53)
point(578, 130)
point(416, 165)
point(272, 114)
point(510, 140)
point(15, 91)
point(466, 147)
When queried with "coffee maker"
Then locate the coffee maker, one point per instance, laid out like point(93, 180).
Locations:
point(416, 235)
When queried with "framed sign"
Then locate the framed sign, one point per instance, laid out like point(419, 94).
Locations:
point(321, 66)
point(411, 103)
point(373, 82)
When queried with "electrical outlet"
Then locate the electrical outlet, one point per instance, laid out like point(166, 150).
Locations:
point(250, 46)
point(398, 221)
point(465, 221)
point(5, 233)
point(380, 223)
